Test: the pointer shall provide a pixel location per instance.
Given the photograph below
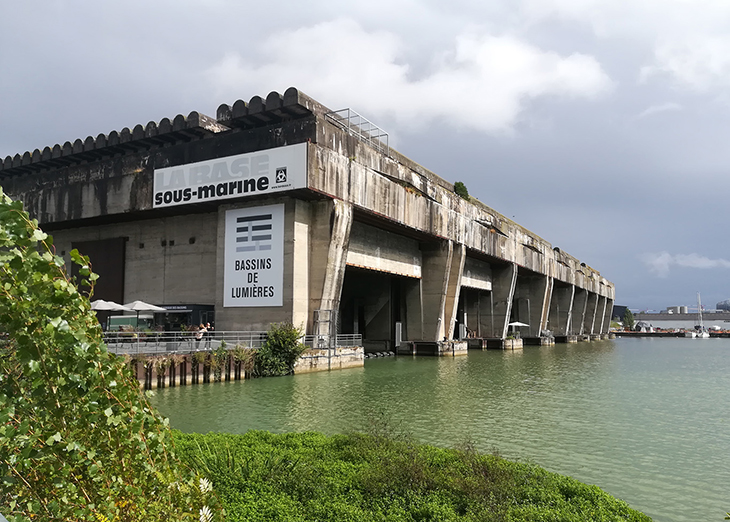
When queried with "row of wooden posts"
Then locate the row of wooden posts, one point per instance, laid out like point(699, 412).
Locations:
point(199, 367)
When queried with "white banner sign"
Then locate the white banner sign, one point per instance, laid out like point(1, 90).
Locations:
point(261, 172)
point(254, 257)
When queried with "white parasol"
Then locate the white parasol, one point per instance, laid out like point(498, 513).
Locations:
point(141, 306)
point(108, 306)
point(516, 324)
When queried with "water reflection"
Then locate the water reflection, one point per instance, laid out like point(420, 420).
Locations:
point(645, 419)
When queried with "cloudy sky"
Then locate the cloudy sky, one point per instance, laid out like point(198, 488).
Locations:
point(601, 125)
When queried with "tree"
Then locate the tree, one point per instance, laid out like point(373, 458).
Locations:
point(78, 439)
point(628, 320)
point(460, 190)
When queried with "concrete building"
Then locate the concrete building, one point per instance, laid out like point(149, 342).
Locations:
point(280, 210)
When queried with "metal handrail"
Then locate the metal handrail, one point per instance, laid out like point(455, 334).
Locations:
point(360, 127)
point(341, 340)
point(133, 342)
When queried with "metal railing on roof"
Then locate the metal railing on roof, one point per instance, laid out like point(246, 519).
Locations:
point(360, 127)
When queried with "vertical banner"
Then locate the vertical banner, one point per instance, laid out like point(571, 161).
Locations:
point(254, 257)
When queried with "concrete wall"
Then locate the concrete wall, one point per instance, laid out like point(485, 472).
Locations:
point(384, 251)
point(168, 260)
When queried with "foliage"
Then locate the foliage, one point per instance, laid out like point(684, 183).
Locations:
point(461, 190)
point(309, 476)
point(628, 320)
point(78, 440)
point(219, 359)
point(280, 351)
point(246, 357)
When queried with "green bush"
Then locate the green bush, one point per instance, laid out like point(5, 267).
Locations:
point(461, 191)
point(309, 476)
point(280, 351)
point(78, 440)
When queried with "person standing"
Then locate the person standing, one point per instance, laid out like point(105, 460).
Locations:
point(199, 334)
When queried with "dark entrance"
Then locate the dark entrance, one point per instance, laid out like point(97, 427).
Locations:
point(374, 305)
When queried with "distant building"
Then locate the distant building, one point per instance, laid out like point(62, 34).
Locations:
point(723, 305)
point(618, 312)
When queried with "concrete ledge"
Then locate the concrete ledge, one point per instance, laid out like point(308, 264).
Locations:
point(566, 339)
point(338, 359)
point(504, 344)
point(476, 344)
point(538, 341)
point(438, 348)
point(595, 337)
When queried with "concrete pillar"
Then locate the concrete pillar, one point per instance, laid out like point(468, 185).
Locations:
point(561, 309)
point(607, 316)
point(435, 270)
point(589, 317)
point(495, 317)
point(300, 263)
point(600, 312)
point(329, 239)
point(453, 289)
point(579, 311)
point(544, 318)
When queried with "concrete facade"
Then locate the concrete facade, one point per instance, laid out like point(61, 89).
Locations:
point(367, 233)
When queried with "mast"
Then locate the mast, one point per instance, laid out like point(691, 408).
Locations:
point(699, 312)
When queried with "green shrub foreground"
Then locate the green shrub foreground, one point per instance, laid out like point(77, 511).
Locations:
point(78, 440)
point(261, 476)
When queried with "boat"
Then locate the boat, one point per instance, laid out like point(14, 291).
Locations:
point(700, 330)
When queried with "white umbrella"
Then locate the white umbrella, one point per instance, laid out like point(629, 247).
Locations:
point(515, 324)
point(141, 306)
point(108, 306)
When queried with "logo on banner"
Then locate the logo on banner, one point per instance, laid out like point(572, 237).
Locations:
point(281, 175)
point(253, 233)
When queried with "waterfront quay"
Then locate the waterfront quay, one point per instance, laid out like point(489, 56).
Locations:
point(679, 333)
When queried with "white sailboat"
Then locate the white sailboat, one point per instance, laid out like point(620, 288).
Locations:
point(700, 331)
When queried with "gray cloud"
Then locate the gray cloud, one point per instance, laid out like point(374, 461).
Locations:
point(489, 78)
point(599, 124)
point(660, 263)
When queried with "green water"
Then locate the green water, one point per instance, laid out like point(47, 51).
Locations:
point(645, 419)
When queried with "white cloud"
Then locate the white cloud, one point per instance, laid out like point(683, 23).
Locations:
point(657, 109)
point(660, 263)
point(483, 82)
point(699, 62)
